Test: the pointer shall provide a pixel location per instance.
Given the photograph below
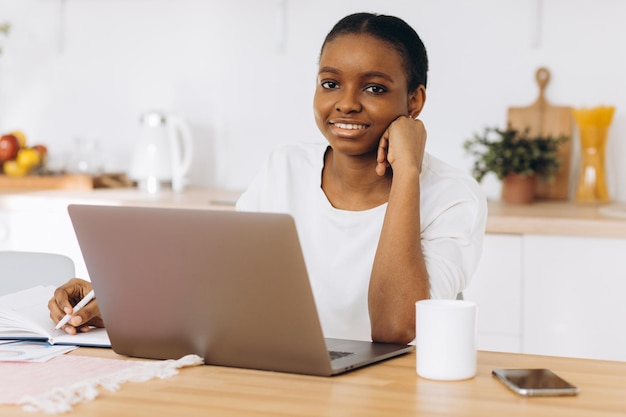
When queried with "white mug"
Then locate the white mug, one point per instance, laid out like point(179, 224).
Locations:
point(445, 339)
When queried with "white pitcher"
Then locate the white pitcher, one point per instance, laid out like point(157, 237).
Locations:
point(163, 152)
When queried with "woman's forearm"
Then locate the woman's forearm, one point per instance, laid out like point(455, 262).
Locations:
point(399, 277)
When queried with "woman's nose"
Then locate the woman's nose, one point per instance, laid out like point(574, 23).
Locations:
point(349, 102)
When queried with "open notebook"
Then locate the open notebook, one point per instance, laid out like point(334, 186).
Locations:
point(24, 315)
point(230, 287)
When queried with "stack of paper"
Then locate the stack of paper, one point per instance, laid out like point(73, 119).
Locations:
point(31, 351)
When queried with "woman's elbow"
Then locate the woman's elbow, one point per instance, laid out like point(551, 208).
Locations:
point(395, 334)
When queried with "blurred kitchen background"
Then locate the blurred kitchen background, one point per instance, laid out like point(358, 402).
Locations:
point(242, 72)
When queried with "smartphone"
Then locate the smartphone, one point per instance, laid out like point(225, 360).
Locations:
point(535, 382)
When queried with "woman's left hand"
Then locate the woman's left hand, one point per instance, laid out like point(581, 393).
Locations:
point(401, 145)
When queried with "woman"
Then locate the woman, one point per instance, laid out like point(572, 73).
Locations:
point(382, 224)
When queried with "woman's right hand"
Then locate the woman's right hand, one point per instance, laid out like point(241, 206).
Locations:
point(63, 302)
point(402, 144)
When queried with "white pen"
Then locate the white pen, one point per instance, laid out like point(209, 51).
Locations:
point(82, 303)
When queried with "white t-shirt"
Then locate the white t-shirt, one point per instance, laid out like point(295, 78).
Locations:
point(339, 245)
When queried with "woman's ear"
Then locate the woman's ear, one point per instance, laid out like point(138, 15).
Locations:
point(417, 99)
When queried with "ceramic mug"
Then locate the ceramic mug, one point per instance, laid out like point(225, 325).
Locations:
point(445, 339)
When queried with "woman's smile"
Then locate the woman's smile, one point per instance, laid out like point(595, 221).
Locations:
point(348, 130)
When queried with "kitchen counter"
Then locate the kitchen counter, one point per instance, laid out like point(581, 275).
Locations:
point(51, 200)
point(540, 218)
point(558, 218)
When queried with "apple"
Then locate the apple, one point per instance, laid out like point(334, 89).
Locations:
point(9, 146)
point(42, 149)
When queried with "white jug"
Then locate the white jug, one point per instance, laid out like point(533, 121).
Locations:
point(163, 152)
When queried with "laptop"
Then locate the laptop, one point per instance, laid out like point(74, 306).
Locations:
point(231, 287)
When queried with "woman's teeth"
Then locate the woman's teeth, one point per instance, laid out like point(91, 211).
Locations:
point(349, 126)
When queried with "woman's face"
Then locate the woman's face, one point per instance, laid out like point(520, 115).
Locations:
point(361, 89)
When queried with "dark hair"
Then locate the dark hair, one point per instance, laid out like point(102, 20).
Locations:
point(396, 32)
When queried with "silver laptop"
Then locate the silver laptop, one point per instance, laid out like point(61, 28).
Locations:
point(228, 286)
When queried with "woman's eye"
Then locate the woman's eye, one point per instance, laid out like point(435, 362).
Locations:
point(376, 89)
point(329, 84)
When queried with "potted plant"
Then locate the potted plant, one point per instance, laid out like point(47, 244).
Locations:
point(516, 158)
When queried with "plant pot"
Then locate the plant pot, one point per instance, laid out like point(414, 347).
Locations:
point(518, 189)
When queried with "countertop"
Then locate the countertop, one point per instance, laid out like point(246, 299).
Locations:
point(191, 197)
point(563, 218)
point(543, 217)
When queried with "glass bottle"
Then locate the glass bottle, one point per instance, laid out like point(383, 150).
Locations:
point(593, 127)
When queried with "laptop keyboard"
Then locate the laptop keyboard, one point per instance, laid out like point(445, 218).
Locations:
point(336, 355)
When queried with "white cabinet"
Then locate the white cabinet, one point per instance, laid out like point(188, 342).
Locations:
point(574, 296)
point(496, 287)
point(552, 295)
point(41, 230)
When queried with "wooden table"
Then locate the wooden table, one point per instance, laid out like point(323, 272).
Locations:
point(390, 388)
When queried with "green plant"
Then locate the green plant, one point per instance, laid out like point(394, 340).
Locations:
point(512, 151)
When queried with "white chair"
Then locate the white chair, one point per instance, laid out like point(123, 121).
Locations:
point(23, 270)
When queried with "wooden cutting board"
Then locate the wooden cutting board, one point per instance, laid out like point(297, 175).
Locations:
point(545, 119)
point(46, 182)
point(63, 182)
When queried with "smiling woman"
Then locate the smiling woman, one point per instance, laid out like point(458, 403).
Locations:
point(382, 224)
point(377, 230)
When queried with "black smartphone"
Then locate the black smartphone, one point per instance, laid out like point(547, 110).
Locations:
point(535, 382)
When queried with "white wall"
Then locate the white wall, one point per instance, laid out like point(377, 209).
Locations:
point(244, 78)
